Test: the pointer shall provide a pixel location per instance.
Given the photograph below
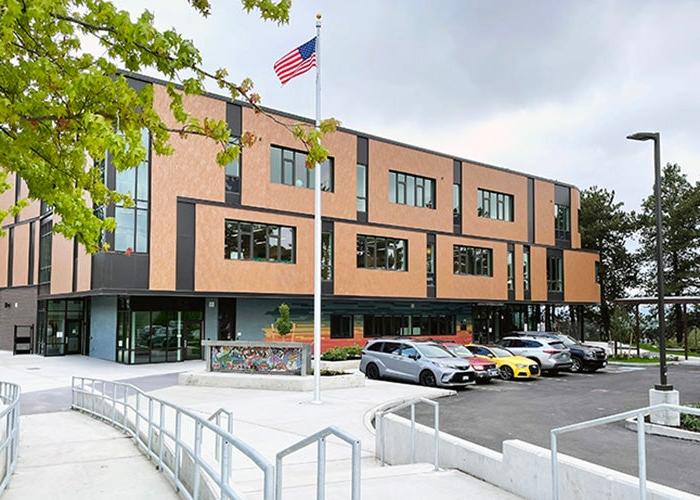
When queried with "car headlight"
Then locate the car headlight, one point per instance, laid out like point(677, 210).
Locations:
point(521, 366)
point(478, 367)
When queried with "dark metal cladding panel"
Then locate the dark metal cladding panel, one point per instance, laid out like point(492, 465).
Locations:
point(234, 118)
point(184, 271)
point(562, 195)
point(362, 150)
point(118, 270)
point(531, 209)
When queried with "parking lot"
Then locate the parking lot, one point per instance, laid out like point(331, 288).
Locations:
point(528, 410)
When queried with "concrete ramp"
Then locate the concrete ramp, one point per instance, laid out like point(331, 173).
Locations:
point(68, 456)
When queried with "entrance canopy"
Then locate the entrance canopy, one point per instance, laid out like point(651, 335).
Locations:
point(669, 299)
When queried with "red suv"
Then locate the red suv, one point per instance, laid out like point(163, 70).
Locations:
point(485, 368)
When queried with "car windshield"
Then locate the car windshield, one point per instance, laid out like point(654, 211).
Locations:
point(460, 351)
point(434, 351)
point(500, 353)
point(567, 341)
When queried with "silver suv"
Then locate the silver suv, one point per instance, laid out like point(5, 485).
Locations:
point(424, 362)
point(551, 354)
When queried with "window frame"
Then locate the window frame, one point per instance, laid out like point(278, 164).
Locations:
point(493, 204)
point(472, 261)
point(406, 189)
point(562, 222)
point(289, 164)
point(366, 252)
point(555, 273)
point(246, 230)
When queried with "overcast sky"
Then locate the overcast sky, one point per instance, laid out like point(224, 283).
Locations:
point(547, 87)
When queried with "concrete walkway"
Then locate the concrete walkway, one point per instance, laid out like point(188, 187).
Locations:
point(68, 456)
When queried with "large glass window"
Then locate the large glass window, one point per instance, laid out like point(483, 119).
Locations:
point(562, 222)
point(407, 189)
point(555, 274)
point(408, 325)
point(132, 222)
point(361, 188)
point(473, 260)
point(289, 167)
point(456, 199)
point(341, 326)
point(511, 270)
point(493, 205)
point(327, 256)
point(260, 242)
point(233, 170)
point(526, 268)
point(376, 252)
point(45, 237)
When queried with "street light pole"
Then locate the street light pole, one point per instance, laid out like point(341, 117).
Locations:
point(654, 136)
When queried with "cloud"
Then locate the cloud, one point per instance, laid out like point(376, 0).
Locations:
point(547, 87)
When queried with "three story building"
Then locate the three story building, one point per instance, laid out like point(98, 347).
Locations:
point(415, 243)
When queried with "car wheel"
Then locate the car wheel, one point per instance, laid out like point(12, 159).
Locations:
point(427, 378)
point(372, 371)
point(507, 373)
point(576, 365)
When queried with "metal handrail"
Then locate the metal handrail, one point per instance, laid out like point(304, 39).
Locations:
point(640, 415)
point(216, 417)
point(9, 444)
point(379, 417)
point(320, 438)
point(128, 408)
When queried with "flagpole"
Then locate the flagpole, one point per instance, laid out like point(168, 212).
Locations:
point(317, 229)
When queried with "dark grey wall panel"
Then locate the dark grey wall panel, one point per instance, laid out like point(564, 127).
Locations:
point(121, 271)
point(362, 150)
point(24, 314)
point(562, 195)
point(531, 209)
point(234, 118)
point(184, 273)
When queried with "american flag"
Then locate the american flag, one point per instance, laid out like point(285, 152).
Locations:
point(297, 62)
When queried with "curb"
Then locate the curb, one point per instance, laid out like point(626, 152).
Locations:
point(663, 430)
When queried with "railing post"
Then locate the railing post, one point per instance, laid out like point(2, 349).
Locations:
point(278, 478)
point(321, 470)
point(161, 435)
point(413, 433)
point(178, 447)
point(150, 427)
point(356, 470)
point(197, 458)
point(437, 436)
point(555, 466)
point(217, 446)
point(641, 456)
point(137, 419)
point(114, 404)
point(382, 436)
point(225, 468)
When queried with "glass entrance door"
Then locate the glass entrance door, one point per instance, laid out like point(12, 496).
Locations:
point(73, 336)
point(192, 339)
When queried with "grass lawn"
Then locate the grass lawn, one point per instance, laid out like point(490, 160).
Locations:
point(674, 350)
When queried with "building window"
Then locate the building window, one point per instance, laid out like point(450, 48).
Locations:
point(407, 189)
point(408, 325)
point(361, 188)
point(597, 272)
point(456, 199)
point(473, 261)
point(493, 205)
point(341, 326)
point(233, 170)
point(289, 167)
point(45, 237)
point(511, 270)
point(259, 242)
point(430, 259)
point(327, 256)
point(375, 252)
point(555, 274)
point(132, 222)
point(526, 268)
point(562, 222)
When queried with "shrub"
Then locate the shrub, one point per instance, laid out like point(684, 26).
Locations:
point(335, 354)
point(354, 351)
point(283, 324)
point(691, 422)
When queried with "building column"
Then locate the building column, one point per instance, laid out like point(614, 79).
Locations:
point(581, 330)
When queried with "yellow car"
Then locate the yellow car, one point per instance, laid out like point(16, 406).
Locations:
point(510, 365)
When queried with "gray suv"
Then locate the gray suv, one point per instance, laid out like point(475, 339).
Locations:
point(551, 354)
point(424, 362)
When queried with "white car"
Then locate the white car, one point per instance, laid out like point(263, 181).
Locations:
point(550, 354)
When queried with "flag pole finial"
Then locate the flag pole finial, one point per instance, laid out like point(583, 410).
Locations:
point(318, 16)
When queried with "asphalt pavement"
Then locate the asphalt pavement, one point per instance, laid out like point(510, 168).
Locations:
point(528, 410)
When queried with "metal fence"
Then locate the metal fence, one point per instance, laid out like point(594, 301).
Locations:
point(320, 438)
point(379, 419)
point(9, 432)
point(640, 415)
point(172, 437)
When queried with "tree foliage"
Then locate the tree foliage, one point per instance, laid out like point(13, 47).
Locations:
point(680, 210)
point(62, 108)
point(606, 227)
